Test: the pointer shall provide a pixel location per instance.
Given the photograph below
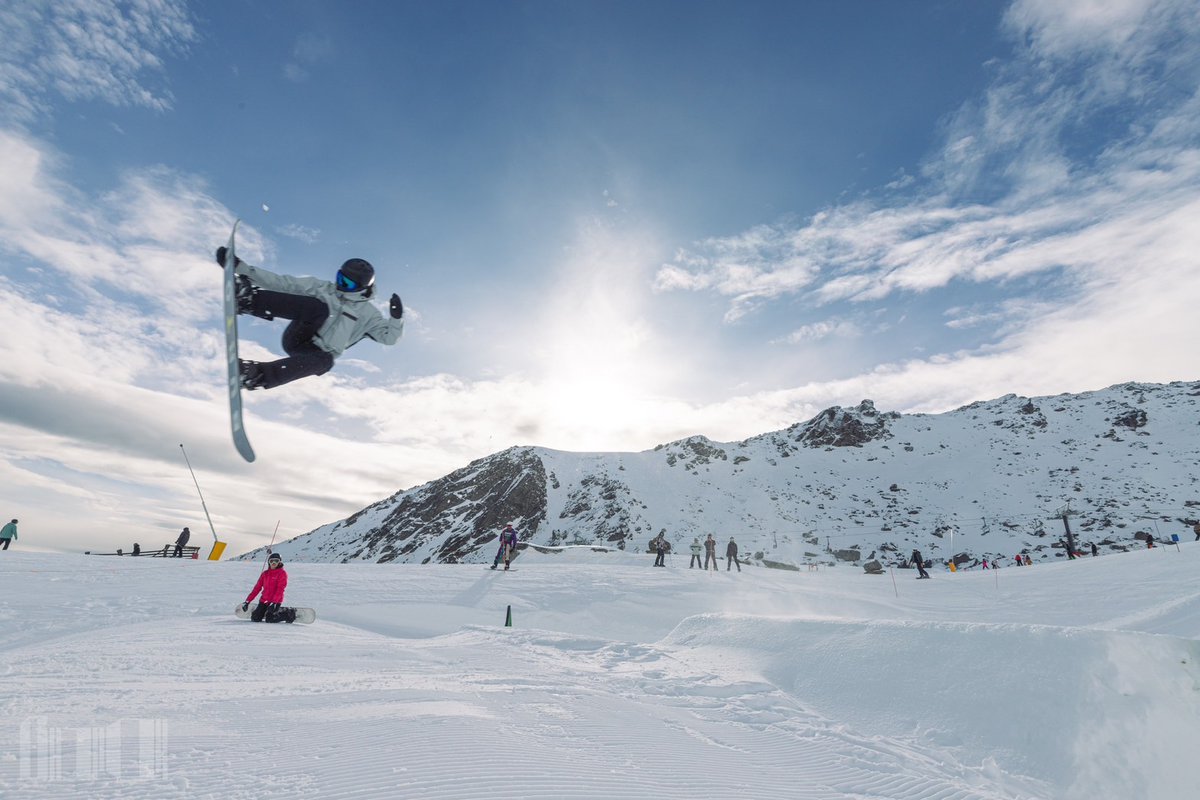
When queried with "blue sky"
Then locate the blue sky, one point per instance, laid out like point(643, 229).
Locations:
point(613, 224)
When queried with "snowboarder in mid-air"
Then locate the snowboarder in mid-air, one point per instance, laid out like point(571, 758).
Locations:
point(326, 317)
point(271, 582)
point(508, 546)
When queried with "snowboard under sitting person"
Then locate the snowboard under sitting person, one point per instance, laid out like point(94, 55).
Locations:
point(508, 546)
point(271, 582)
point(327, 318)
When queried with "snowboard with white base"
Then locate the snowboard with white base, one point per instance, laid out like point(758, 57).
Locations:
point(306, 616)
point(240, 441)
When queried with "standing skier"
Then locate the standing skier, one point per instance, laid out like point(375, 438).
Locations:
point(660, 546)
point(508, 546)
point(326, 318)
point(8, 533)
point(919, 563)
point(731, 559)
point(271, 582)
point(696, 548)
point(710, 552)
point(184, 535)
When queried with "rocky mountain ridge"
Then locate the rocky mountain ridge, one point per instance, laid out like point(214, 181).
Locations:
point(852, 484)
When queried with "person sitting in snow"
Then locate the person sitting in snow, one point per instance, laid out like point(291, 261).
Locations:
point(326, 318)
point(508, 546)
point(271, 582)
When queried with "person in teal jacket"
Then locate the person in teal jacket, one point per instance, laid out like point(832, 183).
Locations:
point(7, 534)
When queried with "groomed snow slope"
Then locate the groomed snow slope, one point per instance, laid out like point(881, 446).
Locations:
point(618, 680)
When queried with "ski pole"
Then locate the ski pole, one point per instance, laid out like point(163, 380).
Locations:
point(202, 504)
point(272, 544)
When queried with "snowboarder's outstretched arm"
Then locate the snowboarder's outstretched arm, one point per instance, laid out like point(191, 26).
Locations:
point(265, 279)
point(388, 331)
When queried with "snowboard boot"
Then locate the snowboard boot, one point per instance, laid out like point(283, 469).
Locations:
point(287, 615)
point(244, 291)
point(252, 374)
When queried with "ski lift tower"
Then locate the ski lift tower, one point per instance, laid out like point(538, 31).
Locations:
point(1063, 513)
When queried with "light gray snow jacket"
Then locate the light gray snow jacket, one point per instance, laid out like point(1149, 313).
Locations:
point(351, 315)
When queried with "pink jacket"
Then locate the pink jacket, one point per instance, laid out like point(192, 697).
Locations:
point(272, 582)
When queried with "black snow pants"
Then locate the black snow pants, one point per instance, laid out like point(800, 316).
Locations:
point(272, 612)
point(307, 315)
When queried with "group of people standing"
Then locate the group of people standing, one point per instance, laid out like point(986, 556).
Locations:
point(709, 547)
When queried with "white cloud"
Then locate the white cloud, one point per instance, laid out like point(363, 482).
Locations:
point(310, 49)
point(301, 233)
point(821, 330)
point(88, 50)
point(1014, 193)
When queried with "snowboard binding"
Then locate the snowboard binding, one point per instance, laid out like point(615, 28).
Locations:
point(252, 373)
point(244, 291)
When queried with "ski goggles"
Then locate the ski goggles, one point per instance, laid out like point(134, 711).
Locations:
point(347, 284)
point(274, 560)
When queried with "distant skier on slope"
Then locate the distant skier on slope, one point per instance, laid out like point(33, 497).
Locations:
point(181, 542)
point(8, 534)
point(710, 553)
point(508, 546)
point(271, 582)
point(660, 547)
point(696, 548)
point(326, 318)
point(919, 563)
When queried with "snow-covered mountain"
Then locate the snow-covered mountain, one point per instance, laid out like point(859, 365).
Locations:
point(852, 484)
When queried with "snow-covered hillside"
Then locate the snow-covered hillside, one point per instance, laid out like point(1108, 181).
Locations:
point(983, 481)
point(131, 678)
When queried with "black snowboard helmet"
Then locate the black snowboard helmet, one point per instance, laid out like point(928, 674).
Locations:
point(356, 275)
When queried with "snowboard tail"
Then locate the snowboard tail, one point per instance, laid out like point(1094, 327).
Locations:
point(305, 616)
point(240, 440)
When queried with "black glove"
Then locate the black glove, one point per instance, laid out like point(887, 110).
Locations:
point(246, 605)
point(221, 257)
point(396, 307)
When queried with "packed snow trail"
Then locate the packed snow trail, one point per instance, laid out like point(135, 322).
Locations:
point(617, 681)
